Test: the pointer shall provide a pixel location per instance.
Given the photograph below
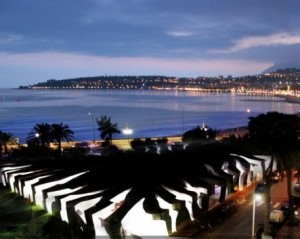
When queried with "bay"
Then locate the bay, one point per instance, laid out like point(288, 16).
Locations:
point(147, 113)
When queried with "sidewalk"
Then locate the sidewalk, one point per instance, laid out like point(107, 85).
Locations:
point(289, 232)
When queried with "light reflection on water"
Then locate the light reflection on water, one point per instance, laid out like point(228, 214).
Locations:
point(148, 113)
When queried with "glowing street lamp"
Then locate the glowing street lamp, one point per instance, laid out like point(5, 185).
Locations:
point(94, 127)
point(258, 198)
point(37, 139)
point(127, 131)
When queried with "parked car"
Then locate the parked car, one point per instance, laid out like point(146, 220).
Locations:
point(285, 207)
point(277, 216)
point(277, 219)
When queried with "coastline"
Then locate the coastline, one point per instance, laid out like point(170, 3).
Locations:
point(124, 144)
point(291, 98)
point(149, 114)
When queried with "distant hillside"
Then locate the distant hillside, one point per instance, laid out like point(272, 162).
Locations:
point(277, 68)
point(268, 80)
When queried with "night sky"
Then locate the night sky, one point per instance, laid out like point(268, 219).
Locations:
point(47, 39)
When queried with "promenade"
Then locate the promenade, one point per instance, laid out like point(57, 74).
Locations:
point(291, 232)
point(123, 144)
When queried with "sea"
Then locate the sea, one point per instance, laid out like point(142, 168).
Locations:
point(147, 113)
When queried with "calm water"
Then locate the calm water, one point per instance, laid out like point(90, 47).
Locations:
point(148, 113)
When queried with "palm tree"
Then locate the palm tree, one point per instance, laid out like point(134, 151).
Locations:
point(5, 140)
point(199, 134)
point(276, 134)
point(61, 132)
point(40, 134)
point(107, 128)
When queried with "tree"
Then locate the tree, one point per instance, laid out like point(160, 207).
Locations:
point(5, 140)
point(61, 132)
point(107, 128)
point(199, 134)
point(276, 134)
point(40, 135)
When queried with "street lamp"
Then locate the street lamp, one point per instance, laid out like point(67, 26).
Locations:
point(94, 128)
point(37, 138)
point(127, 131)
point(182, 119)
point(256, 197)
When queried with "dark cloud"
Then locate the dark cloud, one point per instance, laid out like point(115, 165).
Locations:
point(169, 29)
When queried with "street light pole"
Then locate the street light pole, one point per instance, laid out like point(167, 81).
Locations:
point(94, 128)
point(256, 197)
point(253, 216)
point(127, 131)
point(37, 136)
point(182, 119)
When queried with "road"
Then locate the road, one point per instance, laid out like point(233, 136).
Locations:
point(240, 224)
